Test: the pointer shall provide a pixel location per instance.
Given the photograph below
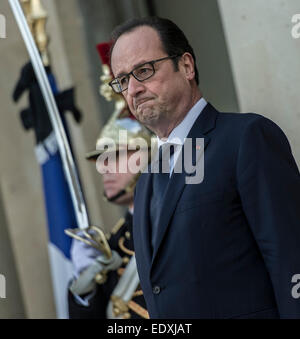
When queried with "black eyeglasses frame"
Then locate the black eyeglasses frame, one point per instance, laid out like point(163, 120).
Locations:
point(152, 62)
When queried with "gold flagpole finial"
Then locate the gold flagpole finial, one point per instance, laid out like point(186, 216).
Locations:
point(26, 5)
point(38, 17)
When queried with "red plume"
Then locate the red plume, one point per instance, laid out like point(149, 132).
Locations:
point(103, 50)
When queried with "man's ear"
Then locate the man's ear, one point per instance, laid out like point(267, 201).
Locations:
point(188, 64)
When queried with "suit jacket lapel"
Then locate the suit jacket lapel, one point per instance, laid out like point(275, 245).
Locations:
point(205, 123)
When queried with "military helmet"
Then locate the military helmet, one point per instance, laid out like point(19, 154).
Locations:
point(109, 138)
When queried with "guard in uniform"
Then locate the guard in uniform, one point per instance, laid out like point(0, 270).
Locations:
point(111, 290)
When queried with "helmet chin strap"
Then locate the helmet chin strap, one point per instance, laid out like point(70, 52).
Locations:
point(114, 197)
point(127, 189)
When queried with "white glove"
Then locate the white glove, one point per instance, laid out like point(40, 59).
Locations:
point(82, 256)
point(85, 283)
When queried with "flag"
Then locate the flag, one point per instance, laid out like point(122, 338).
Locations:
point(58, 203)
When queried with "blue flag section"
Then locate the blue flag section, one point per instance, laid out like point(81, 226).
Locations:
point(60, 215)
point(59, 206)
point(58, 202)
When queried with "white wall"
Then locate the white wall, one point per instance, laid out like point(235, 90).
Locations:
point(265, 60)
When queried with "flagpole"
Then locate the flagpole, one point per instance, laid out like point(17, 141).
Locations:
point(62, 141)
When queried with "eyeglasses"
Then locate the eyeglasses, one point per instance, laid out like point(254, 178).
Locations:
point(140, 73)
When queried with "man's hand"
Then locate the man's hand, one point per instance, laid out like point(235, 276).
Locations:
point(82, 256)
point(88, 262)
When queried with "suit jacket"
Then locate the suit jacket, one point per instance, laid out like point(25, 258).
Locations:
point(229, 246)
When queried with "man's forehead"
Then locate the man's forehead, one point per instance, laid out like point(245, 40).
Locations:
point(135, 47)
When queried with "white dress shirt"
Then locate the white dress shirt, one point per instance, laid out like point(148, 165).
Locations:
point(180, 133)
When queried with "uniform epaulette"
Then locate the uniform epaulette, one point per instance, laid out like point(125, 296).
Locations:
point(118, 225)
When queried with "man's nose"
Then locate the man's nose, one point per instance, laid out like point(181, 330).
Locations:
point(135, 87)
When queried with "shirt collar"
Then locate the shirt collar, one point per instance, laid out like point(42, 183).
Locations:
point(181, 131)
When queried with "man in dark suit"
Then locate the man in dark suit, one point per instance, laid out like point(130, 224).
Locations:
point(229, 245)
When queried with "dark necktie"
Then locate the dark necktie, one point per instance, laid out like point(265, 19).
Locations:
point(159, 185)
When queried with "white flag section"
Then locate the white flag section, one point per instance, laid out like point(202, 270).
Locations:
point(62, 273)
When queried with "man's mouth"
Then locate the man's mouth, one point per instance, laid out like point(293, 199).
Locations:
point(108, 182)
point(141, 101)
